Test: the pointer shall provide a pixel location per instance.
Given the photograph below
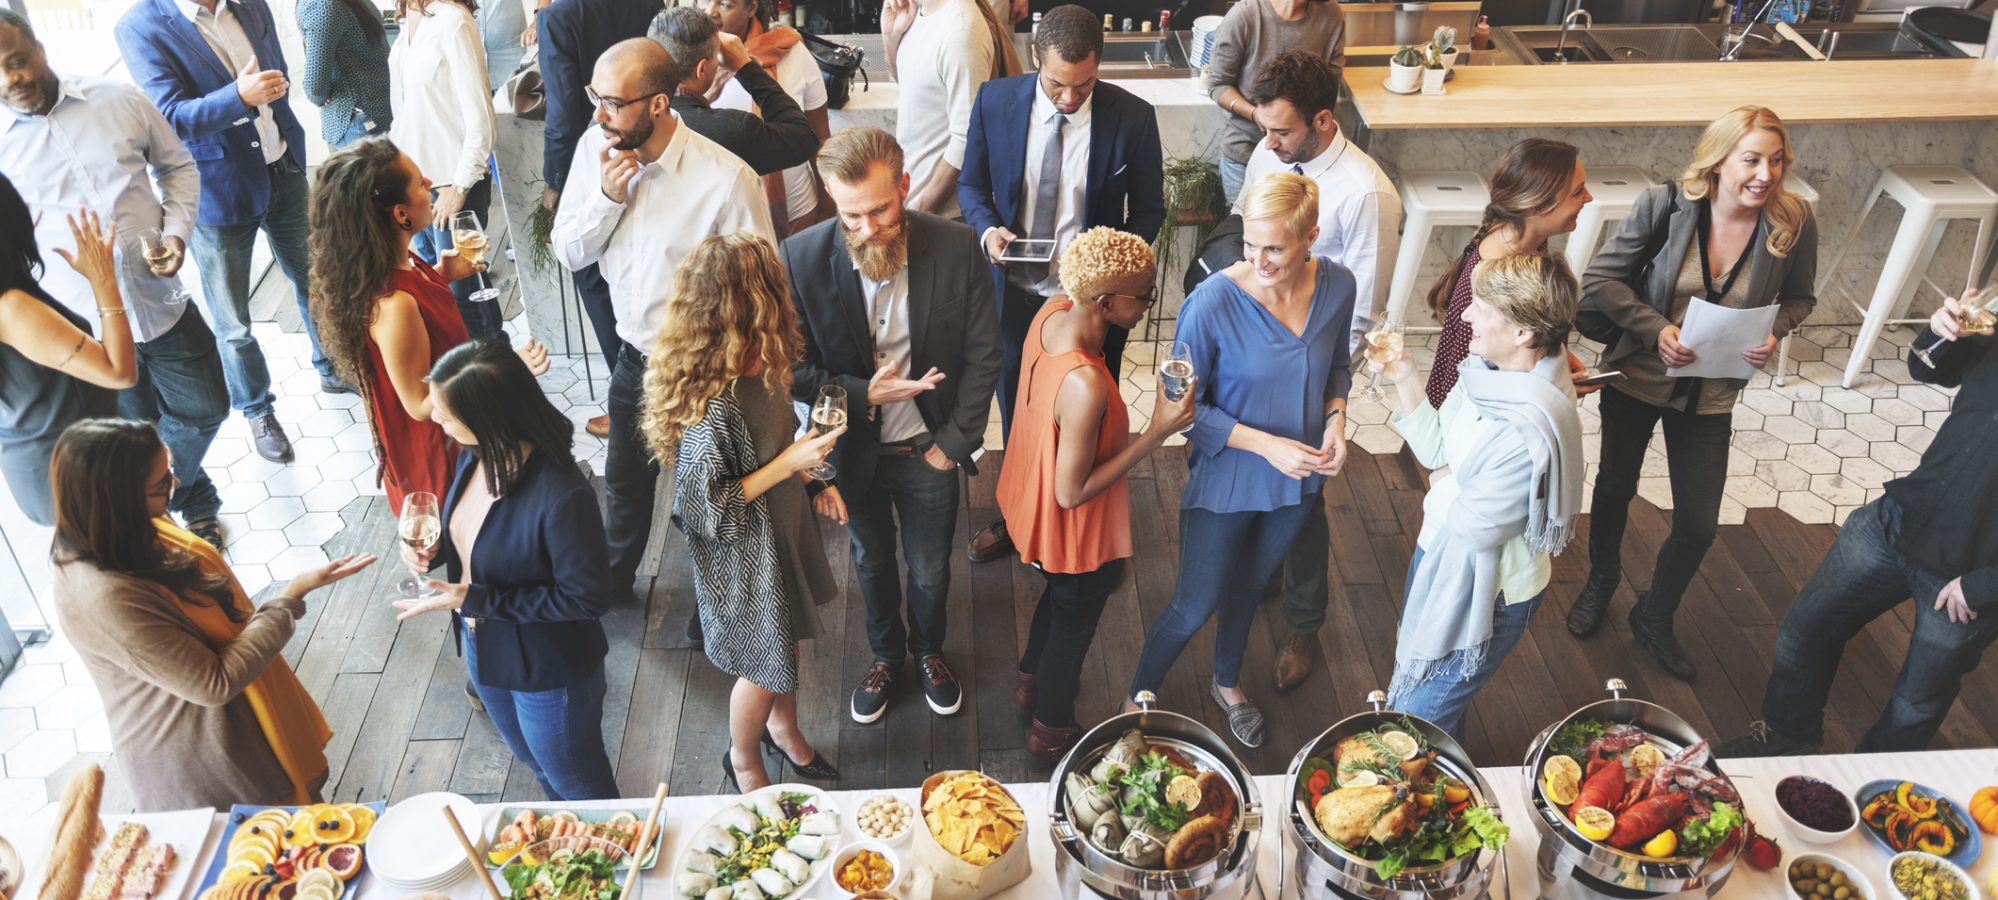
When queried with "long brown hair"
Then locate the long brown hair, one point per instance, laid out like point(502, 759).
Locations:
point(1530, 179)
point(730, 312)
point(98, 473)
point(1785, 211)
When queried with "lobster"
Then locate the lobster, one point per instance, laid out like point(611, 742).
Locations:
point(1603, 787)
point(1645, 819)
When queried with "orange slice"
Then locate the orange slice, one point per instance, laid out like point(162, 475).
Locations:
point(239, 870)
point(299, 831)
point(332, 825)
point(364, 821)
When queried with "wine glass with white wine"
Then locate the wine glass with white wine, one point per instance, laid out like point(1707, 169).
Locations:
point(1384, 345)
point(419, 528)
point(1977, 313)
point(1176, 371)
point(161, 258)
point(828, 413)
point(469, 237)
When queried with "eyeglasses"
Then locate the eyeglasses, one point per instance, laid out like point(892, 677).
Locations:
point(1146, 299)
point(613, 104)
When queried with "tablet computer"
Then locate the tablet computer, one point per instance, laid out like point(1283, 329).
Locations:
point(1028, 250)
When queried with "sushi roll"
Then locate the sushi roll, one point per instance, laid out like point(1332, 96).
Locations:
point(810, 846)
point(773, 882)
point(720, 893)
point(737, 817)
point(715, 841)
point(703, 862)
point(792, 865)
point(819, 823)
point(746, 890)
point(770, 805)
point(693, 884)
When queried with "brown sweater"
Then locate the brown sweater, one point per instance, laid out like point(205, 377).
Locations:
point(180, 727)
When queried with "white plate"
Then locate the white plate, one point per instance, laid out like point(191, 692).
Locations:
point(821, 800)
point(412, 845)
point(186, 831)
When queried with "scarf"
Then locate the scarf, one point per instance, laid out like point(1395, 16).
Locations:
point(286, 713)
point(1446, 626)
point(768, 45)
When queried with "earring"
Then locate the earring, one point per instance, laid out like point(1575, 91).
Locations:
point(405, 224)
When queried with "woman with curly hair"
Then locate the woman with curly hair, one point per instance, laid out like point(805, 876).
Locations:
point(717, 399)
point(1062, 488)
point(385, 316)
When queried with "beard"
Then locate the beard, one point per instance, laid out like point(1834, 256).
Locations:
point(1306, 150)
point(882, 255)
point(632, 139)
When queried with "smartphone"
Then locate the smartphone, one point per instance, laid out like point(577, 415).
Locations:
point(1028, 250)
point(1600, 378)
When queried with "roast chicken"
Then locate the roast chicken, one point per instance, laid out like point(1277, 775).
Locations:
point(1351, 815)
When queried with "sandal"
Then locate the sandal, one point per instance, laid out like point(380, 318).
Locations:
point(1244, 719)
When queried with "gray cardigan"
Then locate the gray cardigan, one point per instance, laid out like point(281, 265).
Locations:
point(1789, 281)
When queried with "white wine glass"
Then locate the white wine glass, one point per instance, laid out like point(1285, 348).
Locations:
point(1176, 371)
point(419, 528)
point(828, 413)
point(1384, 345)
point(469, 238)
point(161, 258)
point(1977, 313)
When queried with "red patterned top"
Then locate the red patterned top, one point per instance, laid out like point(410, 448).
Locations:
point(1455, 342)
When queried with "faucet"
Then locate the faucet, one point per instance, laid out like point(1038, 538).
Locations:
point(1568, 21)
point(1747, 31)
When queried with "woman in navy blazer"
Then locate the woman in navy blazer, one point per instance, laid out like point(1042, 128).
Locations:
point(527, 569)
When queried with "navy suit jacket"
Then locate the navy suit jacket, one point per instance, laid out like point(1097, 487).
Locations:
point(570, 35)
point(1126, 187)
point(543, 578)
point(190, 84)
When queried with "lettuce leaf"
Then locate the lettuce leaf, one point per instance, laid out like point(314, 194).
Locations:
point(1699, 837)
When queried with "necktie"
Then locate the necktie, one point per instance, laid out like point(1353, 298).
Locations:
point(1047, 194)
point(1297, 169)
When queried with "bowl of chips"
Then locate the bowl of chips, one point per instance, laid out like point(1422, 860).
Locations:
point(863, 867)
point(972, 836)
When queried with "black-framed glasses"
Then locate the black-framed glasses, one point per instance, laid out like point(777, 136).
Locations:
point(1147, 299)
point(613, 104)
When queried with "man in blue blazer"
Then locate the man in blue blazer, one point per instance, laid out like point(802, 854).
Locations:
point(214, 68)
point(1050, 154)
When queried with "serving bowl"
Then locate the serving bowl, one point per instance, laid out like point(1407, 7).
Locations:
point(1969, 885)
point(539, 852)
point(1806, 833)
point(848, 852)
point(901, 836)
point(1966, 849)
point(1861, 888)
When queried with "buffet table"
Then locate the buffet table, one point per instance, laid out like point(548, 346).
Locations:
point(1957, 773)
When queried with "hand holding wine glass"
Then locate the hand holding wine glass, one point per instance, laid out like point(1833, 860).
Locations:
point(1176, 371)
point(419, 528)
point(828, 422)
point(1976, 313)
point(468, 239)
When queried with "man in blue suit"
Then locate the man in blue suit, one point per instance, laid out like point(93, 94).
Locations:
point(214, 68)
point(1050, 154)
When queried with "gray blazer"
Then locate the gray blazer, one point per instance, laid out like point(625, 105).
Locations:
point(1789, 281)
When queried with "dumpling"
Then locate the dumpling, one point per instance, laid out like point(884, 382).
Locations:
point(773, 882)
point(703, 862)
point(1144, 845)
point(1130, 747)
point(792, 865)
point(720, 893)
point(770, 805)
point(819, 823)
point(810, 846)
point(715, 840)
point(1108, 834)
point(1106, 770)
point(1085, 802)
point(738, 818)
point(693, 884)
point(746, 890)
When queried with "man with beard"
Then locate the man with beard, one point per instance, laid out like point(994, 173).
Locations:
point(884, 292)
point(642, 192)
point(1091, 158)
point(1359, 218)
point(99, 143)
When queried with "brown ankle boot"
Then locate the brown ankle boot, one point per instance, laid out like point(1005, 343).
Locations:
point(1049, 745)
point(1023, 691)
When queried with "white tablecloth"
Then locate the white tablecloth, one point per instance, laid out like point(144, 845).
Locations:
point(1957, 773)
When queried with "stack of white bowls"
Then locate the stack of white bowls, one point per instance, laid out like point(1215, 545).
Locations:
point(412, 847)
point(1203, 40)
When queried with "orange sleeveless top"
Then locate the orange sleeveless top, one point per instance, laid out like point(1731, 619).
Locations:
point(1066, 541)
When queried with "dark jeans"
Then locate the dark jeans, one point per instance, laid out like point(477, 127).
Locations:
point(357, 129)
point(1696, 448)
point(558, 734)
point(1221, 555)
point(1064, 626)
point(925, 502)
point(631, 477)
point(181, 388)
point(1861, 578)
point(1305, 588)
point(594, 293)
point(1016, 316)
point(482, 317)
point(222, 257)
point(1444, 698)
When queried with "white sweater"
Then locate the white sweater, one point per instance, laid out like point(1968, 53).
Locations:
point(939, 65)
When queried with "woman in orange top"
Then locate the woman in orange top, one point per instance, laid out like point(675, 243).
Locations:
point(1062, 487)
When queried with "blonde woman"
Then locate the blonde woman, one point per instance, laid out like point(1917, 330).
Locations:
point(717, 400)
point(1727, 231)
point(1512, 440)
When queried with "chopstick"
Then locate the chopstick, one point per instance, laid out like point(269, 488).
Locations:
point(645, 834)
point(472, 853)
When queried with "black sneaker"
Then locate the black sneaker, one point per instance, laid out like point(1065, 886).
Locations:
point(940, 686)
point(870, 699)
point(1761, 741)
point(209, 529)
point(268, 437)
point(335, 385)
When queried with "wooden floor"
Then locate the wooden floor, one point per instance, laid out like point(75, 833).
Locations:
point(394, 694)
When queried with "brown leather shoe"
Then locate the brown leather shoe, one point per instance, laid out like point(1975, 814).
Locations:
point(1023, 691)
point(991, 543)
point(598, 425)
point(1293, 662)
point(1049, 745)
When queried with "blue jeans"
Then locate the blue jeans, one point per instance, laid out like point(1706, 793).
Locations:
point(357, 129)
point(1443, 698)
point(1232, 175)
point(1861, 578)
point(181, 388)
point(1224, 560)
point(558, 734)
point(222, 256)
point(925, 500)
point(482, 317)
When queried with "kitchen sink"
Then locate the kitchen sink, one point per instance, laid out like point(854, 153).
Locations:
point(1622, 43)
point(1534, 44)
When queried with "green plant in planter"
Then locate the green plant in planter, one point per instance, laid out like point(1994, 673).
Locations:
point(540, 224)
point(1444, 39)
point(1408, 56)
point(1193, 199)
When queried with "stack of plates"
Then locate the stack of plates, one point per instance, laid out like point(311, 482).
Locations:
point(412, 847)
point(1203, 40)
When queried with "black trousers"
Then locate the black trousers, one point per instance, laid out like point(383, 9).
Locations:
point(631, 478)
point(1058, 641)
point(1696, 448)
point(594, 292)
point(1017, 310)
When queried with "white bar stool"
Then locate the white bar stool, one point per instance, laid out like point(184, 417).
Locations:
point(1931, 197)
point(1430, 200)
point(1795, 184)
point(1615, 189)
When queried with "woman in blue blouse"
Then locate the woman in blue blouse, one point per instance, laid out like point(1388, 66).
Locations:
point(346, 68)
point(1269, 337)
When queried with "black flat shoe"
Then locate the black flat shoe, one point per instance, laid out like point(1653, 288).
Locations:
point(729, 784)
point(816, 770)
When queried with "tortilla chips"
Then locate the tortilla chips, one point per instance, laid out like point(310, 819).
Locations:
point(974, 818)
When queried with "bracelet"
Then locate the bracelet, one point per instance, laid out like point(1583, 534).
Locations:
point(104, 311)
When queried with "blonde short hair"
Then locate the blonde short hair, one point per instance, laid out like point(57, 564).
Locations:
point(1537, 293)
point(1102, 256)
point(1287, 197)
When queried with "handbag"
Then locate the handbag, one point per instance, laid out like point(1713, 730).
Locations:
point(838, 63)
point(522, 94)
point(1595, 324)
point(1220, 249)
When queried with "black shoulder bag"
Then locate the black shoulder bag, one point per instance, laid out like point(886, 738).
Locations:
point(1595, 324)
point(838, 63)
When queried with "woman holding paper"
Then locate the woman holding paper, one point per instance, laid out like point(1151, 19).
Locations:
point(1725, 233)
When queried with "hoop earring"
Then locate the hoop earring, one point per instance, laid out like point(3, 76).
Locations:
point(405, 224)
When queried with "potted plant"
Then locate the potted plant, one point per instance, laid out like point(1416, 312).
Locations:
point(1405, 70)
point(1433, 70)
point(1445, 43)
point(1195, 202)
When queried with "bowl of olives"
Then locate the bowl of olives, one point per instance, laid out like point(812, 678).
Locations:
point(1815, 876)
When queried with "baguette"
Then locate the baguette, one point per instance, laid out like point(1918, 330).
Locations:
point(76, 835)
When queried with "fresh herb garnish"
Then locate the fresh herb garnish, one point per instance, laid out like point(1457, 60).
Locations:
point(1699, 836)
point(1433, 843)
point(566, 875)
point(1573, 739)
point(1148, 780)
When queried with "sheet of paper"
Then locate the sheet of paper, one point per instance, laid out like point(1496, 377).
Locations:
point(1718, 335)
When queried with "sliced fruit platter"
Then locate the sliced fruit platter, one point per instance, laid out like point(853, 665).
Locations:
point(291, 853)
point(1903, 816)
point(1620, 789)
point(519, 827)
point(1383, 797)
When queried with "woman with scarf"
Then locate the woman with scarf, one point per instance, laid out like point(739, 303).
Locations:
point(1510, 435)
point(796, 198)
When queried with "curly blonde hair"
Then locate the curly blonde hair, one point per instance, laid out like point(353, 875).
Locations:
point(730, 314)
point(1101, 257)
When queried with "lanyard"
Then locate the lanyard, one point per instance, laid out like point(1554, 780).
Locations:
point(1706, 269)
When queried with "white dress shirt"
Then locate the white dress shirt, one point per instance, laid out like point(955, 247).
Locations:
point(1074, 190)
point(437, 90)
point(798, 74)
point(101, 146)
point(694, 190)
point(1359, 220)
point(224, 34)
point(888, 318)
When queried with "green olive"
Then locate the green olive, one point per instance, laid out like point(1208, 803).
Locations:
point(1807, 885)
point(1843, 893)
point(1838, 879)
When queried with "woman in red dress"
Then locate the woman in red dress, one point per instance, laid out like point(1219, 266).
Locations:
point(384, 315)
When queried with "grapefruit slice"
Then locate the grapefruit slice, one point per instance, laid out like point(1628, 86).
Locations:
point(343, 859)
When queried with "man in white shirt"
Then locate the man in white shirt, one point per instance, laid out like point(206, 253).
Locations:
point(1359, 218)
point(641, 194)
point(95, 143)
point(939, 52)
